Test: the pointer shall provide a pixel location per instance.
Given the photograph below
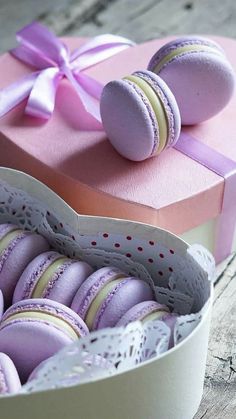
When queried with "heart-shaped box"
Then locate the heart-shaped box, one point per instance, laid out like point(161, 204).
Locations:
point(76, 161)
point(166, 386)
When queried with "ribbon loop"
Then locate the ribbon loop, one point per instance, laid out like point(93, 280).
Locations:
point(39, 39)
point(41, 100)
point(41, 49)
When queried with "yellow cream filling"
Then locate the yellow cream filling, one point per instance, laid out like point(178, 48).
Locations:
point(154, 316)
point(181, 50)
point(6, 240)
point(102, 295)
point(45, 278)
point(157, 108)
point(61, 324)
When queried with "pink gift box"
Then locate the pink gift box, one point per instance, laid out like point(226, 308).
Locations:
point(70, 153)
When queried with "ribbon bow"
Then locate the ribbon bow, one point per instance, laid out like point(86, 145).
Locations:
point(41, 49)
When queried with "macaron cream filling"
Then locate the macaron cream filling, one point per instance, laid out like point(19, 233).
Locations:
point(44, 317)
point(8, 238)
point(155, 315)
point(157, 107)
point(107, 275)
point(47, 275)
point(183, 50)
point(99, 299)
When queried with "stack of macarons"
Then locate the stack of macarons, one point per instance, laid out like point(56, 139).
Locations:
point(52, 301)
point(187, 81)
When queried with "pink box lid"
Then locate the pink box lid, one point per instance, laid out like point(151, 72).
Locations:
point(171, 191)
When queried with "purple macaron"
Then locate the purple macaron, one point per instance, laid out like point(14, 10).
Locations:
point(140, 115)
point(199, 75)
point(17, 249)
point(53, 276)
point(9, 378)
point(35, 329)
point(142, 312)
point(106, 295)
point(150, 310)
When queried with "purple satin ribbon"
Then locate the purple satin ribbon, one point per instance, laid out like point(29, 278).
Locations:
point(226, 168)
point(40, 48)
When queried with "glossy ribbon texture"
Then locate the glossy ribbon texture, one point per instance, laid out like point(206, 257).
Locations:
point(41, 49)
point(226, 168)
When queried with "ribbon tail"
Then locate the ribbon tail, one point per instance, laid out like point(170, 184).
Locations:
point(92, 86)
point(14, 94)
point(31, 57)
point(90, 104)
point(41, 101)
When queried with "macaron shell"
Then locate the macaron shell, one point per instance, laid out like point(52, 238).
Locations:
point(28, 343)
point(132, 292)
point(128, 121)
point(201, 82)
point(69, 282)
point(140, 311)
point(90, 288)
point(11, 377)
point(24, 251)
point(67, 279)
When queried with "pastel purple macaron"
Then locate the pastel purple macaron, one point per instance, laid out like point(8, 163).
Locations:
point(9, 378)
point(1, 304)
point(147, 311)
point(17, 249)
point(35, 329)
point(143, 312)
point(140, 115)
point(199, 75)
point(53, 276)
point(106, 295)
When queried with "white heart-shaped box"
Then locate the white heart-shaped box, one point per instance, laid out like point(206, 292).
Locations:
point(166, 386)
